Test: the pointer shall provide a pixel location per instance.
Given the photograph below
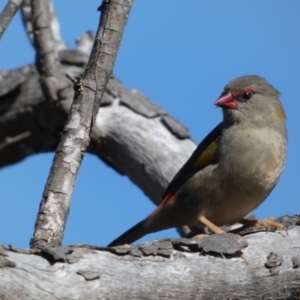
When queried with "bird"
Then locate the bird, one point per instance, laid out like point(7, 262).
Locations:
point(232, 171)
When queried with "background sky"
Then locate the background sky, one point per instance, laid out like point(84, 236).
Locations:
point(180, 56)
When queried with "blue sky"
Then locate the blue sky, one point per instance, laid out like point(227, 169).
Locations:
point(180, 56)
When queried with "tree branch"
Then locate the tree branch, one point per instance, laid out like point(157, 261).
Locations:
point(54, 209)
point(53, 27)
point(47, 54)
point(175, 269)
point(8, 13)
point(127, 151)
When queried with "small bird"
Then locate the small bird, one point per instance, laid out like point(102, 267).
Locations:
point(232, 170)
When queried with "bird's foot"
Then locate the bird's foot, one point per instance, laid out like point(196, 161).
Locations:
point(199, 236)
point(269, 222)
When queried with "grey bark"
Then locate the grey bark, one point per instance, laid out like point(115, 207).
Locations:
point(132, 134)
point(47, 52)
point(160, 270)
point(52, 29)
point(75, 137)
point(8, 13)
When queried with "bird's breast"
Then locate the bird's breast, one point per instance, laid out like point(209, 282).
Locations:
point(252, 159)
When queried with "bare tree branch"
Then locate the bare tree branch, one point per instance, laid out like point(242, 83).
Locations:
point(54, 209)
point(128, 127)
point(132, 136)
point(8, 13)
point(176, 269)
point(47, 53)
point(54, 27)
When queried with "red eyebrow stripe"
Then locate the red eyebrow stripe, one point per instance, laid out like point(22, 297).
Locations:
point(249, 89)
point(236, 94)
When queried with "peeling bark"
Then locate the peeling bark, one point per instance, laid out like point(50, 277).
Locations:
point(161, 269)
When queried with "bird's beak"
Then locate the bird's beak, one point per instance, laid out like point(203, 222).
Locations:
point(226, 101)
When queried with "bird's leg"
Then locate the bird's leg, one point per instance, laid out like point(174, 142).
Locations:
point(210, 225)
point(269, 222)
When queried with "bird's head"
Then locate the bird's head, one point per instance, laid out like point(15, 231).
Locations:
point(250, 99)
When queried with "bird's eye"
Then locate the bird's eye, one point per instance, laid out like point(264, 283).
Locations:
point(245, 96)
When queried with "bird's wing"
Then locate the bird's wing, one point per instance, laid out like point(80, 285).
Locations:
point(205, 154)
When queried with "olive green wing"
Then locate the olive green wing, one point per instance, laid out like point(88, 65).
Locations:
point(205, 154)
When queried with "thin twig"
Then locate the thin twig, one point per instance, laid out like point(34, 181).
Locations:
point(9, 140)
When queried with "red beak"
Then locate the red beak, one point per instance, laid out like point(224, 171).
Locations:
point(226, 101)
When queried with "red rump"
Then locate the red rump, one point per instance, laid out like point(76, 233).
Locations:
point(169, 196)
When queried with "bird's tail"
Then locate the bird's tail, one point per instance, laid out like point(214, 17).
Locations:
point(132, 234)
